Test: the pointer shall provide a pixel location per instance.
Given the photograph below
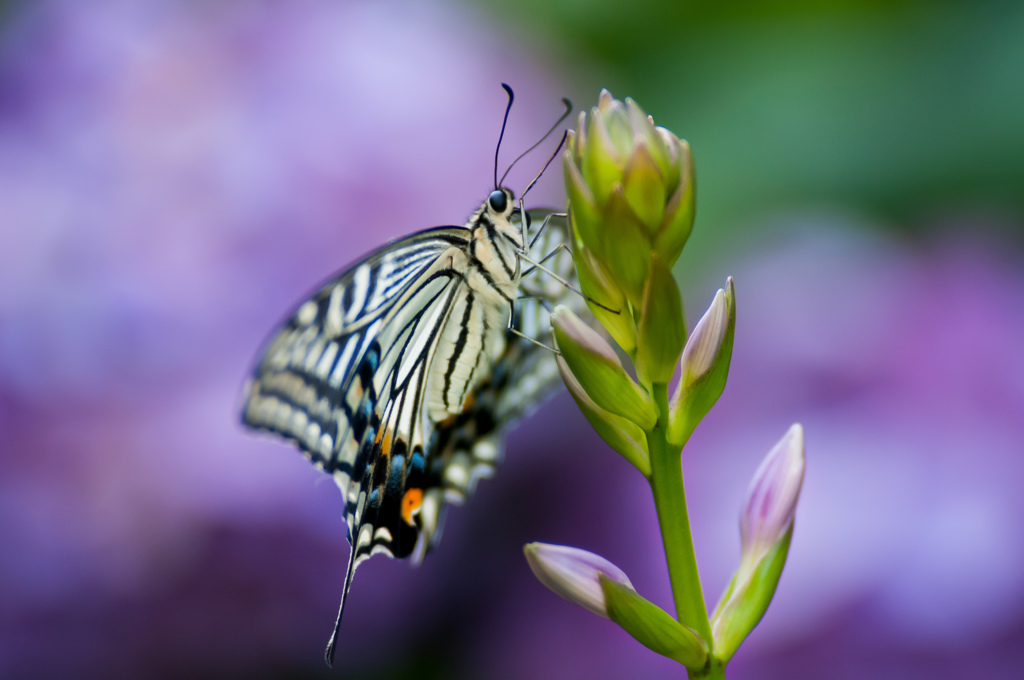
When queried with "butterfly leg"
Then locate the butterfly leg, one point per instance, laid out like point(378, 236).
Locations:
point(542, 300)
point(559, 248)
point(515, 331)
point(543, 225)
point(556, 277)
point(524, 336)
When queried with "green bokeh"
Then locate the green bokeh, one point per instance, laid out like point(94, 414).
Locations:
point(896, 111)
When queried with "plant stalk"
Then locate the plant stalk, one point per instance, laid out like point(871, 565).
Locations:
point(670, 502)
point(713, 671)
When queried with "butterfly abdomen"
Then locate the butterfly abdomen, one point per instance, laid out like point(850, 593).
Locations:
point(472, 339)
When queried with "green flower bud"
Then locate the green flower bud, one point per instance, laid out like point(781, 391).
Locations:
point(584, 217)
point(766, 529)
point(662, 329)
point(602, 166)
point(644, 188)
point(627, 176)
point(619, 433)
point(597, 369)
point(652, 626)
point(619, 127)
point(626, 247)
point(665, 151)
point(677, 222)
point(597, 284)
point(705, 365)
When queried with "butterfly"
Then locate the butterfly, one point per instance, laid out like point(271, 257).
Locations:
point(399, 374)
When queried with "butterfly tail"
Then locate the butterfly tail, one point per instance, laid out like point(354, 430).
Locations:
point(332, 644)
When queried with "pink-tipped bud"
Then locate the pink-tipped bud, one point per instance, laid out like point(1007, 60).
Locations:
point(705, 343)
point(772, 497)
point(598, 370)
point(705, 365)
point(574, 574)
point(766, 529)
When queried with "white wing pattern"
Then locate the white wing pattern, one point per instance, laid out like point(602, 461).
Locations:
point(398, 375)
point(329, 378)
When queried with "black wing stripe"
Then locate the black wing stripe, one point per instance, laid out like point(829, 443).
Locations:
point(489, 279)
point(428, 315)
point(460, 346)
point(492, 234)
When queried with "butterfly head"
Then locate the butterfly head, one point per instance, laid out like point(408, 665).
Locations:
point(496, 215)
point(500, 200)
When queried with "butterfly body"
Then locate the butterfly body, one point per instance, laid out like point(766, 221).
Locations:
point(473, 335)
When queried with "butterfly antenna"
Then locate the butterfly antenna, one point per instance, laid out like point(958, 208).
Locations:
point(508, 108)
point(568, 110)
point(553, 156)
point(332, 644)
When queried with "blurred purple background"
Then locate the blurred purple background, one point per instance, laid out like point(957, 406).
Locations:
point(175, 175)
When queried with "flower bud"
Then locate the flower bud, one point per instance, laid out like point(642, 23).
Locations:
point(599, 586)
point(626, 246)
point(597, 368)
point(630, 189)
point(597, 284)
point(621, 434)
point(644, 188)
point(677, 222)
point(662, 330)
point(574, 574)
point(766, 529)
point(772, 498)
point(705, 365)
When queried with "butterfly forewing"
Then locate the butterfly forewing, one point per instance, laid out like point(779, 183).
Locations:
point(324, 379)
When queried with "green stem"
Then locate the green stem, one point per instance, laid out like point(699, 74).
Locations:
point(670, 502)
point(713, 671)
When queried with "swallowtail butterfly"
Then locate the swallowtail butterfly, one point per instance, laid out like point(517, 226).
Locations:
point(398, 375)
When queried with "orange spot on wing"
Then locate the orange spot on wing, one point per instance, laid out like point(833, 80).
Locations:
point(470, 400)
point(384, 438)
point(411, 502)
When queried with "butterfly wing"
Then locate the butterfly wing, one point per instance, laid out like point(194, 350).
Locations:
point(345, 377)
point(352, 357)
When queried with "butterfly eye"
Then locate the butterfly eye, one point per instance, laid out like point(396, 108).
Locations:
point(498, 201)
